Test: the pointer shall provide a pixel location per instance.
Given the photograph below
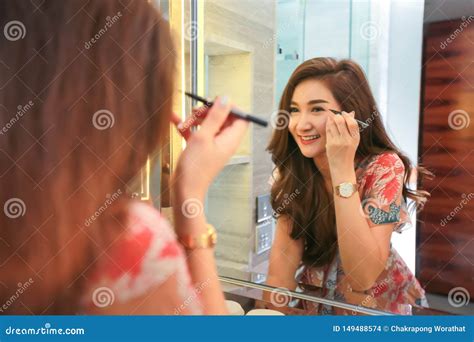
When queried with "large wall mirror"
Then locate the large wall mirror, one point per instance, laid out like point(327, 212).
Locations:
point(421, 78)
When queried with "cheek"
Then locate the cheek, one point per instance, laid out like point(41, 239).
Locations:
point(292, 126)
point(321, 126)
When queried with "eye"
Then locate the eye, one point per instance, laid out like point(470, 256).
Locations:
point(294, 110)
point(317, 109)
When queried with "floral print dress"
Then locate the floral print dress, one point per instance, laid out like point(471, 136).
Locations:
point(380, 179)
point(147, 256)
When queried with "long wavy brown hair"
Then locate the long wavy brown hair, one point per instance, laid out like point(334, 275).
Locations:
point(85, 95)
point(311, 212)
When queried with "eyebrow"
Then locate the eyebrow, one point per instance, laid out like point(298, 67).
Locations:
point(312, 102)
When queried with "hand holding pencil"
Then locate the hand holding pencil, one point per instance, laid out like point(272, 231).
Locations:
point(209, 148)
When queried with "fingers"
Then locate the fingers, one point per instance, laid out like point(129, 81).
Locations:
point(340, 124)
point(216, 116)
point(199, 113)
point(231, 134)
point(345, 125)
point(180, 126)
point(212, 120)
point(352, 128)
point(196, 119)
point(228, 122)
point(331, 128)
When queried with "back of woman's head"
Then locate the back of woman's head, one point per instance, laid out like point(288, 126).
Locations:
point(86, 93)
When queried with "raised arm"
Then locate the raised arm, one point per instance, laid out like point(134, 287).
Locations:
point(207, 152)
point(364, 242)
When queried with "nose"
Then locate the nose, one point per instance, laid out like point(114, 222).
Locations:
point(303, 123)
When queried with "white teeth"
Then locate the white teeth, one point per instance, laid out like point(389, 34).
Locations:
point(311, 137)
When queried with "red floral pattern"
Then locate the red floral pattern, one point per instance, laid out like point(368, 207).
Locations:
point(145, 258)
point(380, 180)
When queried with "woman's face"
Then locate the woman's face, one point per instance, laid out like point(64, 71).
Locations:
point(309, 110)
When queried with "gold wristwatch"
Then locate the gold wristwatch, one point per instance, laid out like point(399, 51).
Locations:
point(204, 240)
point(346, 189)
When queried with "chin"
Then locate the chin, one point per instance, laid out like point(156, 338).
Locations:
point(311, 152)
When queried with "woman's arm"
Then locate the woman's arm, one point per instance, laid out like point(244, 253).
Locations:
point(364, 250)
point(206, 153)
point(201, 262)
point(285, 257)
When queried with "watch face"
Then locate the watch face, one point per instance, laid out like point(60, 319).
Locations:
point(346, 189)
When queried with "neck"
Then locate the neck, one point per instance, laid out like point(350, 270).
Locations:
point(321, 162)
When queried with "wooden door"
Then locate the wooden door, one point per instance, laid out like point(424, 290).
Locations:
point(445, 246)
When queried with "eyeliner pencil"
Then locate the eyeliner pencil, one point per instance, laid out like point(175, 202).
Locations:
point(361, 123)
point(235, 112)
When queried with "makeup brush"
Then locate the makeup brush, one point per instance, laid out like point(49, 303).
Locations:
point(361, 124)
point(235, 112)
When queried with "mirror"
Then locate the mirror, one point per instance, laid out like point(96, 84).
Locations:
point(423, 88)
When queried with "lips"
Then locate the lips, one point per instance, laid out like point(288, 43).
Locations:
point(309, 139)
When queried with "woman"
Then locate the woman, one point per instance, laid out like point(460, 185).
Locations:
point(348, 187)
point(97, 81)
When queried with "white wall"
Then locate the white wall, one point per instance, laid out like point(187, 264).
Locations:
point(403, 95)
point(322, 17)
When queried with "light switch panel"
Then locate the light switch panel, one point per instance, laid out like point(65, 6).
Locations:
point(264, 208)
point(264, 236)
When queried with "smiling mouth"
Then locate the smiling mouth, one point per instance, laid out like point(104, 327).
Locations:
point(309, 138)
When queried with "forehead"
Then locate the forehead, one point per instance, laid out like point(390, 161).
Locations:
point(312, 89)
